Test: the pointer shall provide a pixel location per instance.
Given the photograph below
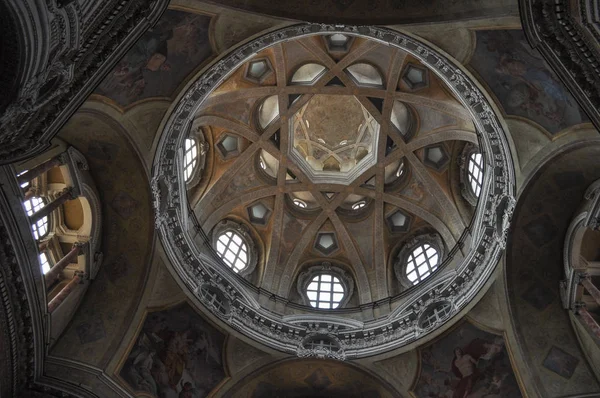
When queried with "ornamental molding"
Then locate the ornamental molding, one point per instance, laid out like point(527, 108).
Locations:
point(61, 53)
point(567, 35)
point(21, 304)
point(258, 314)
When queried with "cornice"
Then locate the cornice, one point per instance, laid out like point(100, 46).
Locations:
point(484, 241)
point(64, 53)
point(567, 36)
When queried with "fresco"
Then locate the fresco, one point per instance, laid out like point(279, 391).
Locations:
point(177, 355)
point(466, 363)
point(160, 60)
point(522, 81)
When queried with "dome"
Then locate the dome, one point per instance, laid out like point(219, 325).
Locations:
point(339, 193)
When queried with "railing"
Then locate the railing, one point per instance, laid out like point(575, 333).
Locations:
point(279, 299)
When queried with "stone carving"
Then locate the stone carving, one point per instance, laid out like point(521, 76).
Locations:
point(68, 49)
point(321, 345)
point(399, 327)
point(566, 34)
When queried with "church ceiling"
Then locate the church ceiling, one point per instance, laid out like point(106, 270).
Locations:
point(347, 144)
point(522, 81)
point(377, 12)
point(421, 126)
point(535, 267)
point(160, 60)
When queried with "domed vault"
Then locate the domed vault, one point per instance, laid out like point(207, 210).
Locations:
point(332, 172)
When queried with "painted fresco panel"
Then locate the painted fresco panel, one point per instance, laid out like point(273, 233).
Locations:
point(466, 363)
point(177, 354)
point(522, 81)
point(160, 60)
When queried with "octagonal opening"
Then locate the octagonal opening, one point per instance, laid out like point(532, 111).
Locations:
point(333, 138)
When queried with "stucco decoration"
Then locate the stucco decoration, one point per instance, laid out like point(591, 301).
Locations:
point(360, 337)
point(58, 53)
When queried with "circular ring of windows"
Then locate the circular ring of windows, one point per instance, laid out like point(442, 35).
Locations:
point(234, 245)
point(418, 259)
point(325, 287)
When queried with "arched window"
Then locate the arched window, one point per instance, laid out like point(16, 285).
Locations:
point(235, 245)
point(471, 173)
point(268, 111)
point(40, 227)
point(190, 158)
point(44, 263)
point(308, 74)
point(365, 75)
point(233, 250)
point(419, 257)
point(422, 261)
point(325, 291)
point(475, 173)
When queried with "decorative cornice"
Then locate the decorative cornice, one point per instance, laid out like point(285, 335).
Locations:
point(566, 34)
point(66, 54)
point(263, 322)
point(20, 310)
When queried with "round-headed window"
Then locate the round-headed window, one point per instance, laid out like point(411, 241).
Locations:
point(325, 291)
point(421, 262)
point(190, 158)
point(475, 173)
point(40, 228)
point(233, 250)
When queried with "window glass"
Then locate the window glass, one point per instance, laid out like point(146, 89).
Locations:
point(233, 250)
point(325, 291)
point(190, 158)
point(475, 173)
point(45, 263)
point(423, 260)
point(40, 227)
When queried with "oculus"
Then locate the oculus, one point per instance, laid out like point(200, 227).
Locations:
point(334, 138)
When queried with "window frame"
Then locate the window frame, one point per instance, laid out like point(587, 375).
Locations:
point(465, 183)
point(305, 279)
point(197, 135)
point(243, 231)
point(402, 258)
point(48, 219)
point(195, 160)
